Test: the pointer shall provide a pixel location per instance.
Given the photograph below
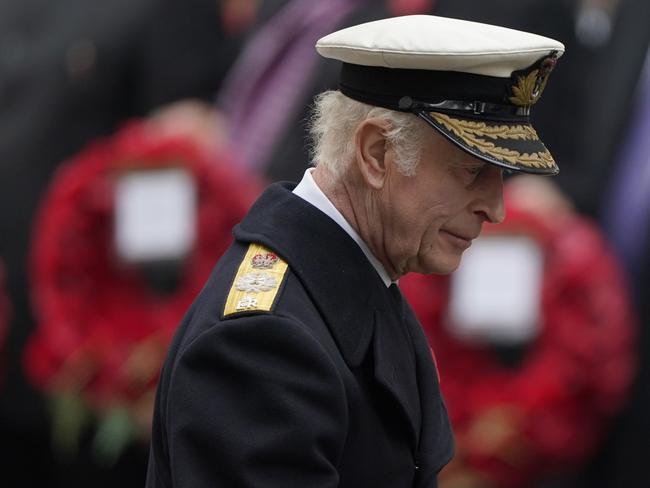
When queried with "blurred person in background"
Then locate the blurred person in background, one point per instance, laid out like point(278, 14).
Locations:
point(625, 213)
point(71, 71)
point(278, 73)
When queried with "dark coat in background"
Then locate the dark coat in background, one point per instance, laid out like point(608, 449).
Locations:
point(72, 71)
point(333, 386)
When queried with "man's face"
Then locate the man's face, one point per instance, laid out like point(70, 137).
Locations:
point(430, 218)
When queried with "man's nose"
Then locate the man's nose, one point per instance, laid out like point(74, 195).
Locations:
point(490, 203)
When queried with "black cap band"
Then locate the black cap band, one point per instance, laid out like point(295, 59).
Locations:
point(486, 116)
point(413, 90)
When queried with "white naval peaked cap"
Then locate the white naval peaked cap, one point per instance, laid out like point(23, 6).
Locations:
point(437, 43)
point(474, 83)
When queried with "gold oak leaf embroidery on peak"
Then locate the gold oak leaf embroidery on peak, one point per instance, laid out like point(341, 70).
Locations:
point(473, 133)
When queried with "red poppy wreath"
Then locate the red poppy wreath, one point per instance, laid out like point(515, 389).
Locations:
point(103, 329)
point(518, 422)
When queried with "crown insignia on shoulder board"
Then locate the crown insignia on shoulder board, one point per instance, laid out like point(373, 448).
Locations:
point(264, 261)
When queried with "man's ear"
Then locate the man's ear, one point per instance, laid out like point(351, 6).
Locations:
point(371, 149)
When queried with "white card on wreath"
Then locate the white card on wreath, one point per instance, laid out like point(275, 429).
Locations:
point(496, 291)
point(155, 215)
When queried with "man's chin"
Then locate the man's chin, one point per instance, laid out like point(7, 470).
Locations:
point(439, 266)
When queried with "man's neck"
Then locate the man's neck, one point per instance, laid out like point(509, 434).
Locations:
point(351, 200)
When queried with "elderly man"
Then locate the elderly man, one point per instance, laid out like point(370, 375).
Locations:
point(300, 365)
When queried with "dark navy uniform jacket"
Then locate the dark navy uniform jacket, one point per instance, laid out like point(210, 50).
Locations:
point(333, 384)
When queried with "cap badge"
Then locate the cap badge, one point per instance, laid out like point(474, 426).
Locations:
point(529, 87)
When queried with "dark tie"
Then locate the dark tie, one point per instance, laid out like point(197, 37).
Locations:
point(398, 300)
point(401, 311)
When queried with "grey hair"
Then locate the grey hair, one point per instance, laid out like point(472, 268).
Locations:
point(334, 120)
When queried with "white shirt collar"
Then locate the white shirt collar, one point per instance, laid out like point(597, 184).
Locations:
point(308, 190)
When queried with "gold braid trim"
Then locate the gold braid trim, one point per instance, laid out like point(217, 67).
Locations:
point(473, 133)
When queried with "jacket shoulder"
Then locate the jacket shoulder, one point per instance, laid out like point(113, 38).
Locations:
point(257, 283)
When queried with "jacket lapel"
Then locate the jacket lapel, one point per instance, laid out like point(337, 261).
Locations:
point(395, 369)
point(436, 447)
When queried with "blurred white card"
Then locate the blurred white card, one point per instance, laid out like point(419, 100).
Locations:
point(155, 215)
point(495, 293)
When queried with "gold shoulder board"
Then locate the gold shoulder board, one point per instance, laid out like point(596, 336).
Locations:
point(257, 281)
